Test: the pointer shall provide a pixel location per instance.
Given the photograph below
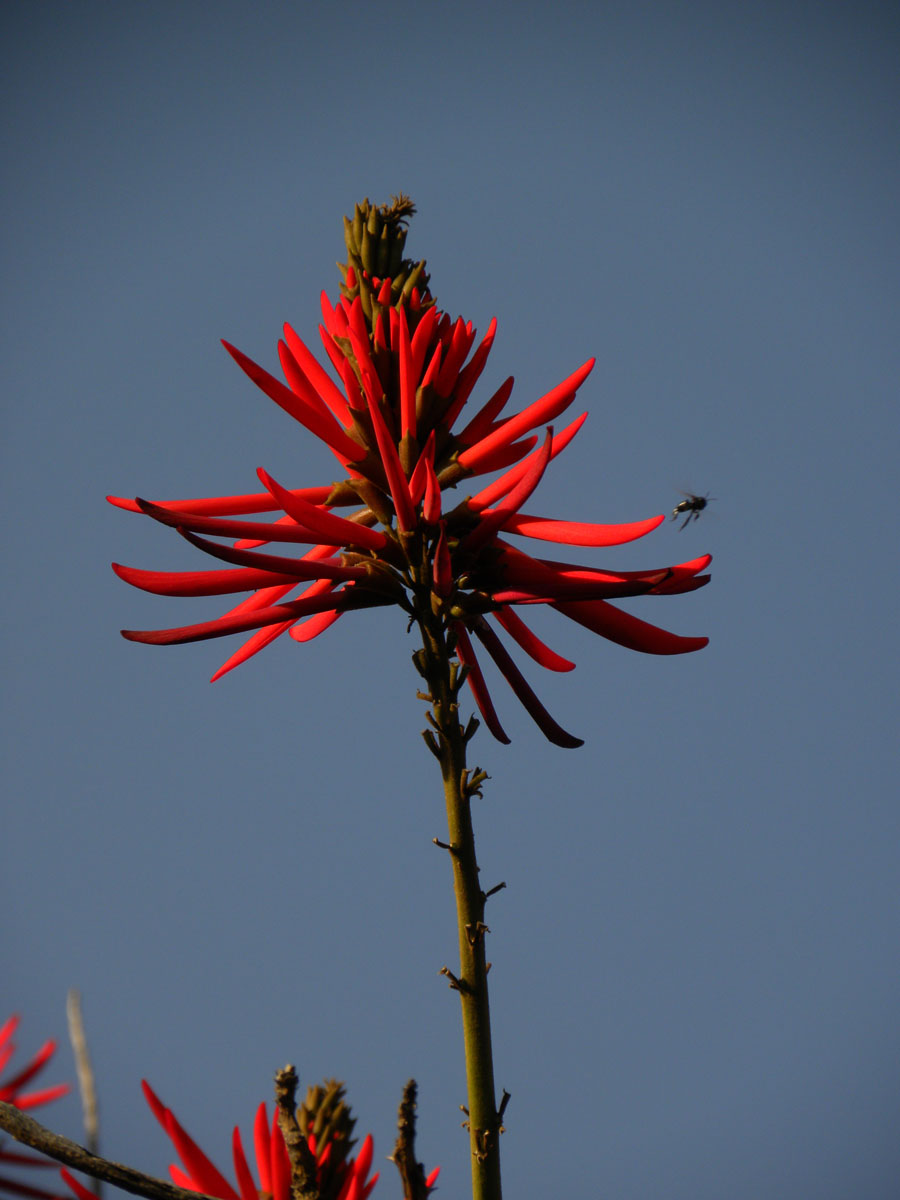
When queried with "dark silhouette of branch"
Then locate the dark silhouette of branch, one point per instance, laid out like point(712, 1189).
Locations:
point(30, 1133)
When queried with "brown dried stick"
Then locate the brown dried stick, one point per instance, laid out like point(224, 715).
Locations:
point(30, 1133)
point(83, 1070)
point(303, 1164)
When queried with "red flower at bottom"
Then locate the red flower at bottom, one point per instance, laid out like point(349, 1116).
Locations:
point(11, 1092)
point(340, 1178)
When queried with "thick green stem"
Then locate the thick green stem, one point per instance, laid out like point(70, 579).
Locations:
point(483, 1119)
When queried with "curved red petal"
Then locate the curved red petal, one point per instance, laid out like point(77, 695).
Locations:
point(28, 1072)
point(318, 376)
point(460, 343)
point(506, 455)
point(516, 680)
point(407, 382)
point(253, 645)
point(261, 1149)
point(419, 478)
point(406, 519)
point(475, 679)
point(470, 373)
point(281, 1166)
point(492, 519)
point(199, 583)
point(313, 626)
point(547, 408)
point(224, 506)
point(327, 525)
point(677, 587)
point(579, 533)
point(480, 424)
point(242, 1173)
point(220, 527)
point(494, 491)
point(242, 623)
point(309, 566)
point(624, 629)
point(42, 1096)
point(319, 422)
point(530, 642)
point(421, 340)
point(77, 1187)
point(431, 508)
point(442, 573)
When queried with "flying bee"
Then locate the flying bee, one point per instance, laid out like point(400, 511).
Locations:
point(692, 505)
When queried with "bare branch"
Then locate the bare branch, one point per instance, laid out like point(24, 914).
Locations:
point(30, 1133)
point(303, 1165)
point(85, 1072)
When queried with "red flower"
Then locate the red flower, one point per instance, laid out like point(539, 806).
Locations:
point(394, 427)
point(11, 1092)
point(338, 1176)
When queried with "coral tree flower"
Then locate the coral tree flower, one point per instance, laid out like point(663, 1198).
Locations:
point(394, 417)
point(12, 1091)
point(327, 1130)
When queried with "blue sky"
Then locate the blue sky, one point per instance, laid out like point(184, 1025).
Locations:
point(695, 981)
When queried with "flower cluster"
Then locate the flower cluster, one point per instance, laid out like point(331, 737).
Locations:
point(12, 1092)
point(395, 424)
point(325, 1122)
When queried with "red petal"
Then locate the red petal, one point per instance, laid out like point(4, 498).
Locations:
point(222, 506)
point(503, 456)
point(514, 677)
point(318, 376)
point(242, 623)
point(626, 630)
point(261, 1147)
point(577, 533)
point(493, 518)
point(470, 373)
point(241, 1169)
point(466, 655)
point(407, 382)
point(548, 407)
point(506, 482)
point(406, 517)
point(42, 1096)
point(431, 508)
point(530, 642)
point(253, 645)
point(204, 1174)
point(200, 583)
point(319, 422)
point(421, 339)
point(40, 1059)
point(77, 1187)
point(328, 527)
point(310, 566)
point(456, 353)
point(443, 577)
point(221, 527)
point(481, 423)
point(311, 628)
point(419, 478)
point(281, 1166)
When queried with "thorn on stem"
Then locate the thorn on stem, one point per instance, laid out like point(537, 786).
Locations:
point(458, 985)
point(432, 743)
point(444, 845)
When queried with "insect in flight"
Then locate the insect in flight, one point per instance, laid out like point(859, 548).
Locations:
point(692, 505)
